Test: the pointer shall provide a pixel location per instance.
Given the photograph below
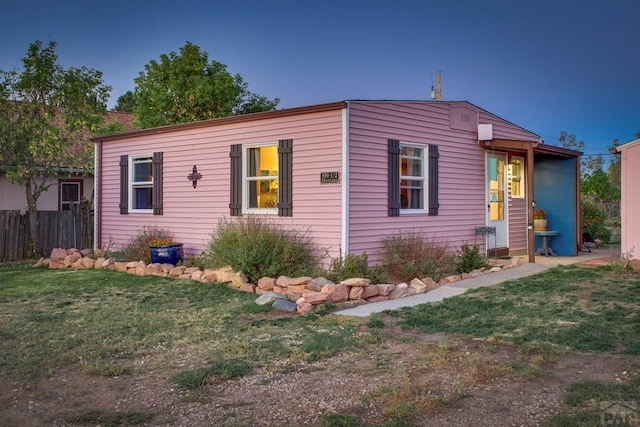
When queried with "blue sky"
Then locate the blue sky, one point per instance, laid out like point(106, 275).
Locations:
point(544, 65)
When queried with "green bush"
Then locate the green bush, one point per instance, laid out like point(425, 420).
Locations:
point(594, 221)
point(469, 259)
point(258, 247)
point(351, 265)
point(413, 254)
point(137, 249)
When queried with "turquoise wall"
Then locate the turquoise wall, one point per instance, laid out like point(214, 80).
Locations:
point(554, 191)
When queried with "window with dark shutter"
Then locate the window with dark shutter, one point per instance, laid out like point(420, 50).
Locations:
point(394, 177)
point(433, 180)
point(157, 183)
point(235, 183)
point(124, 184)
point(285, 165)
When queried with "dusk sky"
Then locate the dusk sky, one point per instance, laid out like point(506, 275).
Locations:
point(544, 65)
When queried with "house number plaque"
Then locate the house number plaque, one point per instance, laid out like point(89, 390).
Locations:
point(329, 177)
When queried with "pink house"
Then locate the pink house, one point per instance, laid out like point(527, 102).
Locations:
point(630, 198)
point(351, 172)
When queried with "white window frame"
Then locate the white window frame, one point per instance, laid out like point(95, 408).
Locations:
point(246, 179)
point(425, 188)
point(143, 184)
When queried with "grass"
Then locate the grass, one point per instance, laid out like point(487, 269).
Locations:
point(103, 320)
point(581, 309)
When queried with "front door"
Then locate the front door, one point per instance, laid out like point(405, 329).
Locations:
point(497, 200)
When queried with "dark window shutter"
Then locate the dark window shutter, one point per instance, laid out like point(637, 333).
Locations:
point(285, 175)
point(156, 171)
point(235, 183)
point(394, 177)
point(433, 180)
point(124, 184)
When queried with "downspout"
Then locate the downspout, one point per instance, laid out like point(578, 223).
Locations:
point(578, 207)
point(345, 181)
point(531, 237)
point(97, 196)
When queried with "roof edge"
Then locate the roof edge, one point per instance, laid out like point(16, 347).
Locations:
point(223, 120)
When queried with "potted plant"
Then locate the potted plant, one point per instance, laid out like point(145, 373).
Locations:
point(165, 251)
point(539, 220)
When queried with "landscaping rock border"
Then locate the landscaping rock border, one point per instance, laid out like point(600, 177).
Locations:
point(300, 294)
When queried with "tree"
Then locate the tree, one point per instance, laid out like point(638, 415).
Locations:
point(588, 164)
point(126, 102)
point(45, 111)
point(186, 87)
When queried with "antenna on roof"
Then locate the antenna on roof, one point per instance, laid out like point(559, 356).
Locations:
point(436, 94)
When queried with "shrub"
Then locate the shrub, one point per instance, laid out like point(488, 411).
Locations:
point(138, 247)
point(594, 221)
point(351, 265)
point(414, 254)
point(258, 247)
point(469, 259)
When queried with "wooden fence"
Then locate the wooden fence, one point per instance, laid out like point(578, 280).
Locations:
point(57, 229)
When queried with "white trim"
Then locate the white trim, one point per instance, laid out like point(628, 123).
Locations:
point(245, 188)
point(96, 193)
point(344, 243)
point(425, 177)
point(132, 158)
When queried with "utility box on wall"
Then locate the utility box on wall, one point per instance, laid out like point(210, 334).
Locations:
point(485, 132)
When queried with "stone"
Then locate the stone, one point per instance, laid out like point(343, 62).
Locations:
point(336, 293)
point(634, 264)
point(88, 262)
point(177, 271)
point(378, 298)
point(299, 281)
point(131, 271)
point(58, 254)
point(400, 291)
point(99, 262)
point(297, 288)
point(267, 283)
point(248, 287)
point(317, 284)
point(225, 274)
point(514, 261)
point(239, 279)
point(279, 290)
point(355, 292)
point(268, 298)
point(154, 269)
point(198, 276)
point(304, 307)
point(356, 281)
point(132, 264)
point(450, 279)
point(99, 253)
point(315, 298)
point(210, 275)
point(370, 291)
point(85, 252)
point(166, 268)
point(40, 262)
point(417, 286)
point(120, 266)
point(385, 289)
point(283, 281)
point(494, 269)
point(67, 261)
point(72, 250)
point(261, 291)
point(350, 304)
point(184, 276)
point(141, 268)
point(190, 270)
point(76, 264)
point(430, 283)
point(292, 296)
point(285, 305)
point(53, 264)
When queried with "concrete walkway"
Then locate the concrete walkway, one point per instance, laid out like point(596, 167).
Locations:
point(458, 288)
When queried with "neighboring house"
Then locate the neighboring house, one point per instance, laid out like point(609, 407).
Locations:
point(71, 186)
point(351, 172)
point(630, 199)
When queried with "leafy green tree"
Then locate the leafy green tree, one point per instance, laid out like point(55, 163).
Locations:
point(185, 87)
point(126, 102)
point(45, 110)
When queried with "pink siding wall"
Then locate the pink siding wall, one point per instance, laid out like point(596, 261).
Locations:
point(192, 214)
point(461, 171)
point(630, 203)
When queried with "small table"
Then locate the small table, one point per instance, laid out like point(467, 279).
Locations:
point(545, 249)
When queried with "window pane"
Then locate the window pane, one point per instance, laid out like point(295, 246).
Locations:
point(411, 194)
point(142, 170)
point(70, 192)
point(142, 198)
point(262, 161)
point(262, 177)
point(263, 194)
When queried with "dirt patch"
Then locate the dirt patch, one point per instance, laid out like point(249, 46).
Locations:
point(448, 381)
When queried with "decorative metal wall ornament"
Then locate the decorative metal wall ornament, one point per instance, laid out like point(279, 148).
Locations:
point(194, 176)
